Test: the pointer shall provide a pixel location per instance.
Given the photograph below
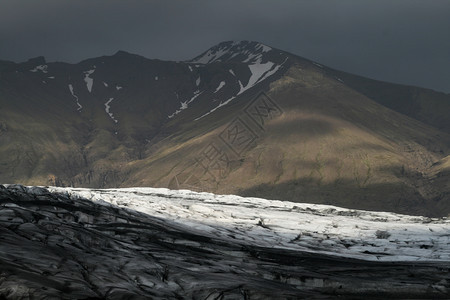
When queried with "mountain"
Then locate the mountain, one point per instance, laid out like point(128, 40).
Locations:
point(241, 118)
point(146, 243)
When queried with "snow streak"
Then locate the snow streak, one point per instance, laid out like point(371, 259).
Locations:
point(107, 109)
point(89, 81)
point(75, 96)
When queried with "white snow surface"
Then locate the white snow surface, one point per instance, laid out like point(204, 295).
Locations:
point(107, 109)
point(89, 81)
point(339, 79)
point(371, 236)
point(317, 65)
point(185, 104)
point(42, 68)
point(259, 72)
point(75, 96)
point(211, 56)
point(216, 54)
point(221, 85)
point(118, 87)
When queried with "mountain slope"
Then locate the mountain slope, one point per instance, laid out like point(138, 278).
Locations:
point(102, 110)
point(313, 135)
point(331, 145)
point(427, 106)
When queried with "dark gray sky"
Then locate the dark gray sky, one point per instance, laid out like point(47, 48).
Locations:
point(403, 41)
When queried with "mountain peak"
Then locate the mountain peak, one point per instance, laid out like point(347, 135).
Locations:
point(233, 51)
point(40, 60)
point(121, 53)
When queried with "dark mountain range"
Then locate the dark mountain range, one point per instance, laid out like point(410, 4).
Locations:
point(241, 118)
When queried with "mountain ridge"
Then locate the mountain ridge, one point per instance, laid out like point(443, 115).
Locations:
point(125, 120)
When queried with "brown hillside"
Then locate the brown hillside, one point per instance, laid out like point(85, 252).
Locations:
point(241, 118)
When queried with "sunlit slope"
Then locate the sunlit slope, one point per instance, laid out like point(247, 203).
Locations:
point(330, 144)
point(241, 118)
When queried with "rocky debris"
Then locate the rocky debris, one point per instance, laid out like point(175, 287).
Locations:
point(56, 245)
point(3, 127)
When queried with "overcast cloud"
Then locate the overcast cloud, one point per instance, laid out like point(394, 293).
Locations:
point(403, 41)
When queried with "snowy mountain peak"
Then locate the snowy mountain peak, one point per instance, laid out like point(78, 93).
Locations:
point(261, 61)
point(234, 51)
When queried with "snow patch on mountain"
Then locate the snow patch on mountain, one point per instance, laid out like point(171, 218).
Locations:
point(325, 229)
point(256, 57)
point(253, 57)
point(221, 85)
point(259, 72)
point(265, 48)
point(89, 81)
point(75, 96)
point(247, 52)
point(339, 79)
point(266, 72)
point(210, 56)
point(184, 105)
point(105, 84)
point(196, 94)
point(42, 68)
point(317, 65)
point(107, 109)
point(222, 103)
point(118, 87)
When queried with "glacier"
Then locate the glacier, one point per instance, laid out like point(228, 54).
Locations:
point(140, 243)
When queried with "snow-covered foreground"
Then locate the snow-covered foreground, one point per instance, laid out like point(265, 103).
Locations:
point(377, 236)
point(144, 243)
